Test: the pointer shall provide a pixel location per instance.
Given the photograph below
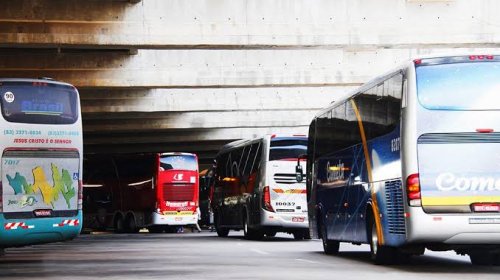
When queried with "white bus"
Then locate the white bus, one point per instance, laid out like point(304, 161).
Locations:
point(41, 148)
point(256, 188)
point(411, 160)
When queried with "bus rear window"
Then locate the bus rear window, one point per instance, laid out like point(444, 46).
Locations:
point(284, 148)
point(459, 86)
point(40, 103)
point(178, 162)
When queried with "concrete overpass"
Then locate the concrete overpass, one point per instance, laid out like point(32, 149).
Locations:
point(170, 75)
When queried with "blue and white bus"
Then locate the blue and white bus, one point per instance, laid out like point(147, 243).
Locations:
point(41, 149)
point(411, 161)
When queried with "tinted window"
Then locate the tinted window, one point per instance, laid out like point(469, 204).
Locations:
point(180, 162)
point(459, 86)
point(43, 103)
point(336, 130)
point(287, 148)
point(380, 107)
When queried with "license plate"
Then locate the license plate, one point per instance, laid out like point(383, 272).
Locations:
point(297, 219)
point(486, 207)
point(42, 213)
point(178, 219)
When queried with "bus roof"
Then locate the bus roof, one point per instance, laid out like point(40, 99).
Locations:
point(176, 154)
point(33, 80)
point(243, 142)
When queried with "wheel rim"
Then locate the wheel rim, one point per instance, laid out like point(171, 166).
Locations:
point(374, 240)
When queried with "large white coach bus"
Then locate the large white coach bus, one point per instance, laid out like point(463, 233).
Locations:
point(411, 160)
point(256, 187)
point(41, 168)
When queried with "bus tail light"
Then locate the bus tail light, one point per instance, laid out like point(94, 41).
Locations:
point(266, 199)
point(80, 195)
point(413, 190)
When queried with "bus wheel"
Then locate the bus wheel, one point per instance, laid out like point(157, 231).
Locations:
point(118, 224)
point(298, 235)
point(155, 229)
point(250, 234)
point(221, 232)
point(331, 247)
point(380, 254)
point(130, 224)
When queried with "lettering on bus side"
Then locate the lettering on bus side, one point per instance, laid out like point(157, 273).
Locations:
point(335, 172)
point(396, 144)
point(451, 182)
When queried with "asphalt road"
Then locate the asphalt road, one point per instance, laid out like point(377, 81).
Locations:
point(206, 256)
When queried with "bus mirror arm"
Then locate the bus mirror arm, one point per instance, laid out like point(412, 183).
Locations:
point(299, 174)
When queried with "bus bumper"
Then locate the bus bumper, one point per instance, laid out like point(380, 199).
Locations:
point(22, 232)
point(452, 229)
point(174, 220)
point(284, 220)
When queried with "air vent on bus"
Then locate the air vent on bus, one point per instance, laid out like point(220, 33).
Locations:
point(178, 192)
point(285, 178)
point(395, 207)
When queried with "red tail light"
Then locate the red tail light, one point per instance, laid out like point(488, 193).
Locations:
point(266, 199)
point(413, 190)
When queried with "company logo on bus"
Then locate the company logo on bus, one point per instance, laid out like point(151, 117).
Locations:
point(178, 177)
point(176, 204)
point(335, 172)
point(451, 182)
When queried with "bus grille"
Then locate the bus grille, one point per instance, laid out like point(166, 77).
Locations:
point(395, 207)
point(285, 178)
point(178, 192)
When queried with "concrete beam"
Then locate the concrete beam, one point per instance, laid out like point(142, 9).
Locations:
point(212, 68)
point(105, 101)
point(221, 119)
point(200, 136)
point(252, 23)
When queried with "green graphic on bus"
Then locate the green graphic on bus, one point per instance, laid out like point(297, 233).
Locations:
point(63, 184)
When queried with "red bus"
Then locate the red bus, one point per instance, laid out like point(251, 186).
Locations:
point(155, 191)
point(177, 191)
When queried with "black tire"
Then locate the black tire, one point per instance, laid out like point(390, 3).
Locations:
point(380, 255)
point(221, 232)
point(301, 235)
point(155, 229)
point(118, 224)
point(307, 235)
point(298, 235)
point(249, 233)
point(330, 247)
point(130, 224)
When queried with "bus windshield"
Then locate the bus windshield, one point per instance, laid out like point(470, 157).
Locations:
point(178, 162)
point(459, 86)
point(38, 103)
point(283, 148)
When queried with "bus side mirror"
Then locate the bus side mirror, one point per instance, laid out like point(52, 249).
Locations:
point(299, 174)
